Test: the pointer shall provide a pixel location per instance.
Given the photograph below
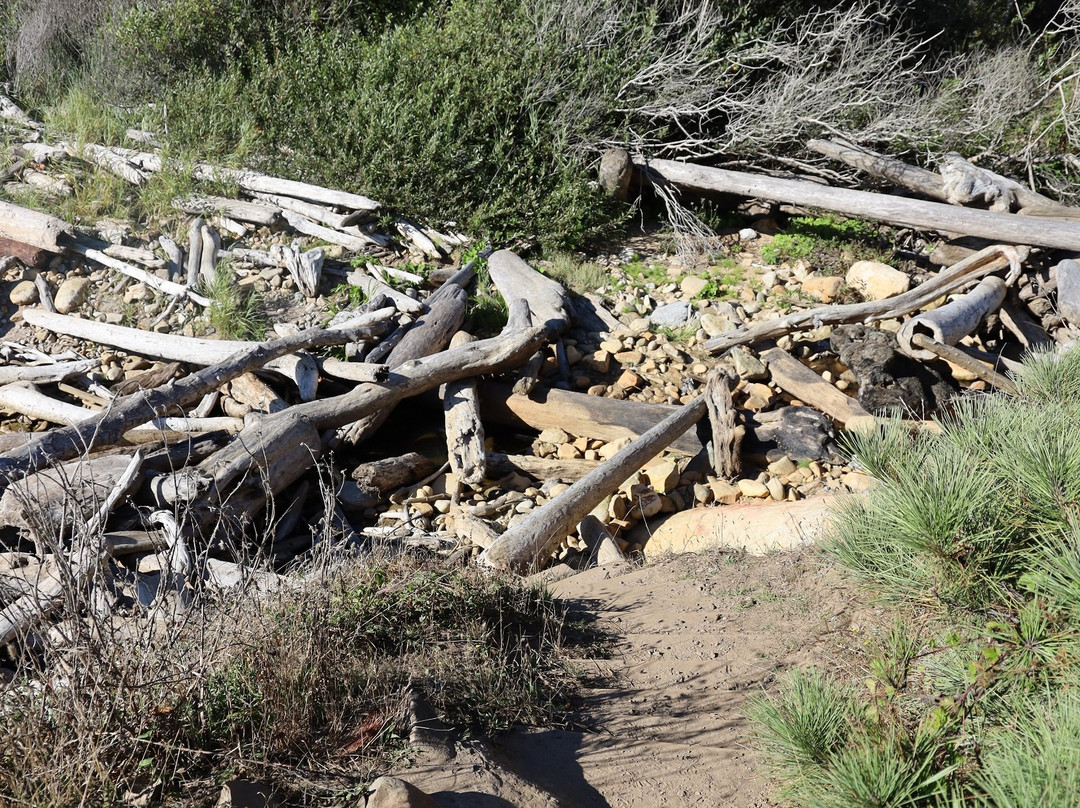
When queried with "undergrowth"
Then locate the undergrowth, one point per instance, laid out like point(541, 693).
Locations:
point(827, 244)
point(314, 679)
point(973, 701)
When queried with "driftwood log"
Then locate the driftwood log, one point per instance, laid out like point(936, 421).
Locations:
point(1001, 227)
point(547, 299)
point(35, 229)
point(529, 541)
point(726, 435)
point(464, 429)
point(952, 322)
point(794, 377)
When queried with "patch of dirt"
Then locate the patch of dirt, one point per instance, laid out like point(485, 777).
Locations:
point(663, 721)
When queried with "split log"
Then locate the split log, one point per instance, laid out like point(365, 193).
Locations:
point(581, 415)
point(528, 542)
point(304, 267)
point(372, 483)
point(924, 182)
point(950, 323)
point(317, 213)
point(254, 212)
point(547, 299)
point(34, 229)
point(1001, 227)
point(45, 374)
point(251, 391)
point(142, 275)
point(464, 429)
point(107, 427)
point(793, 376)
point(726, 436)
point(262, 183)
point(429, 335)
point(539, 468)
point(20, 615)
point(982, 263)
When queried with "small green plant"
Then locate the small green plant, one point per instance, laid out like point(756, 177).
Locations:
point(236, 312)
point(579, 276)
point(828, 244)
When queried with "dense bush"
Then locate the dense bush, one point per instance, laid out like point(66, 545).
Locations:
point(970, 699)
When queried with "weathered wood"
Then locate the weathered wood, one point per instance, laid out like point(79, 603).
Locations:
point(581, 415)
point(373, 482)
point(107, 427)
point(1001, 227)
point(540, 468)
point(46, 183)
point(251, 391)
point(20, 615)
point(1023, 326)
point(472, 530)
point(791, 375)
point(547, 299)
point(45, 374)
point(965, 183)
point(301, 369)
point(317, 213)
point(353, 243)
point(418, 239)
point(599, 542)
point(726, 436)
point(28, 254)
point(175, 263)
point(373, 286)
point(255, 212)
point(353, 371)
point(142, 275)
point(304, 267)
point(927, 183)
point(125, 253)
point(262, 183)
point(35, 229)
point(111, 161)
point(464, 429)
point(430, 334)
point(528, 542)
point(194, 255)
point(208, 254)
point(959, 317)
point(150, 378)
point(982, 263)
point(956, 356)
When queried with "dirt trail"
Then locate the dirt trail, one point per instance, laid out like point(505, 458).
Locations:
point(664, 721)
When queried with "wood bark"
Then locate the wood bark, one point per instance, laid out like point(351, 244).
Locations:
point(982, 263)
point(353, 371)
point(791, 375)
point(726, 435)
point(1001, 227)
point(581, 415)
point(529, 541)
point(540, 468)
point(107, 427)
point(464, 429)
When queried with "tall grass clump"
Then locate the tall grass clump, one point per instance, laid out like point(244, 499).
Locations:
point(972, 700)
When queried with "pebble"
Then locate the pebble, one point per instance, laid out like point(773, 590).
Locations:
point(72, 294)
point(24, 293)
point(753, 489)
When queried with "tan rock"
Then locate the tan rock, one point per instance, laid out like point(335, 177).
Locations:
point(776, 489)
point(724, 492)
point(629, 380)
point(663, 476)
point(692, 286)
point(858, 482)
point(567, 451)
point(758, 528)
point(877, 281)
point(646, 502)
point(610, 449)
point(752, 489)
point(24, 293)
point(72, 294)
point(758, 396)
point(823, 287)
point(785, 465)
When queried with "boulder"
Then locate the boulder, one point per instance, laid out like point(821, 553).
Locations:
point(823, 287)
point(757, 528)
point(671, 315)
point(1068, 289)
point(877, 281)
point(24, 293)
point(391, 792)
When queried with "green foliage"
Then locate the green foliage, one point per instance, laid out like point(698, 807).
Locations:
point(235, 312)
point(579, 276)
point(972, 700)
point(825, 242)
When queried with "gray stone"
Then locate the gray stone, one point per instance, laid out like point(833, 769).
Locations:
point(714, 325)
point(748, 366)
point(72, 294)
point(748, 234)
point(671, 315)
point(1068, 282)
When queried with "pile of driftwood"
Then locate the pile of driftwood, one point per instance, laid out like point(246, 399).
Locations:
point(217, 455)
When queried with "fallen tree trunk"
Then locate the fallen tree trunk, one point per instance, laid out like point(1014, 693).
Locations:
point(927, 183)
point(984, 262)
point(540, 468)
point(952, 322)
point(1002, 227)
point(44, 374)
point(256, 213)
point(525, 545)
point(263, 183)
point(547, 299)
point(791, 375)
point(35, 229)
point(108, 427)
point(464, 429)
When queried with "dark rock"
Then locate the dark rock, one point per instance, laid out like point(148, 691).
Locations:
point(799, 433)
point(887, 379)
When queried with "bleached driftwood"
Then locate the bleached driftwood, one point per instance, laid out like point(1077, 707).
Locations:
point(317, 213)
point(464, 429)
point(44, 374)
point(175, 254)
point(194, 254)
point(791, 375)
point(142, 275)
point(123, 252)
point(372, 286)
point(107, 427)
point(262, 183)
point(33, 228)
point(353, 371)
point(110, 160)
point(413, 233)
point(726, 435)
point(210, 241)
point(546, 298)
point(302, 224)
point(950, 323)
point(254, 212)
